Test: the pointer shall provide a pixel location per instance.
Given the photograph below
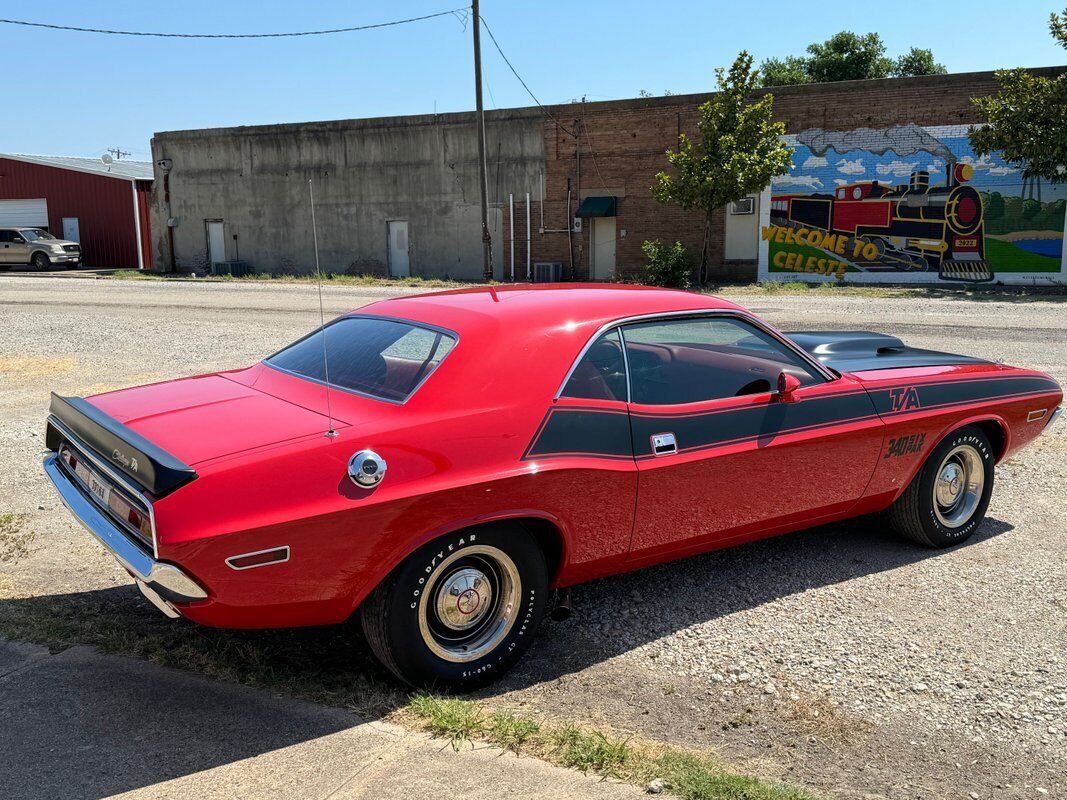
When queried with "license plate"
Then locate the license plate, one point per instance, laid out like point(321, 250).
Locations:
point(100, 489)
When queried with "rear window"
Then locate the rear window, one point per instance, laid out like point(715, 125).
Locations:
point(383, 358)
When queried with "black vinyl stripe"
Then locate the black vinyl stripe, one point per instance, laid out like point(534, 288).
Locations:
point(577, 431)
point(606, 433)
point(751, 422)
point(935, 395)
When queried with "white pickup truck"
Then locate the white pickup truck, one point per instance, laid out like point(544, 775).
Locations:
point(38, 248)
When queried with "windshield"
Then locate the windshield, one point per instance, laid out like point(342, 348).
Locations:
point(383, 358)
point(33, 234)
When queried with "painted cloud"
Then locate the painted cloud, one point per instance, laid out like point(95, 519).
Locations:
point(900, 169)
point(802, 181)
point(854, 167)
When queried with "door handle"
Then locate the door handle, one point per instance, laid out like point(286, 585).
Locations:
point(664, 444)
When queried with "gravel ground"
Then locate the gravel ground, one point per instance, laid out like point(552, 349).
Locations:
point(837, 657)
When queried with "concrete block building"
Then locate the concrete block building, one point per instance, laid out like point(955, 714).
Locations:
point(884, 187)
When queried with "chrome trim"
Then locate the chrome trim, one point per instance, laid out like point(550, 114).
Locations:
point(167, 579)
point(742, 314)
point(153, 597)
point(357, 469)
point(414, 323)
point(123, 482)
point(284, 547)
point(1055, 416)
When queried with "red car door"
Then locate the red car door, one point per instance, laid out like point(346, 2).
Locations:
point(720, 454)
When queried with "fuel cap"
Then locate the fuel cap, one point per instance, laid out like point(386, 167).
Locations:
point(366, 468)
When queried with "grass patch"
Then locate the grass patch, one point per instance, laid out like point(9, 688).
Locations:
point(327, 278)
point(332, 666)
point(26, 366)
point(14, 538)
point(685, 774)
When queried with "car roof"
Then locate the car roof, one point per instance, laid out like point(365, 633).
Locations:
point(520, 341)
point(542, 308)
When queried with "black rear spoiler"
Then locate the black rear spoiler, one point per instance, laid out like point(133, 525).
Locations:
point(124, 449)
point(856, 351)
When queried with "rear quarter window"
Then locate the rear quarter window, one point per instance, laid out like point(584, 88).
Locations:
point(382, 358)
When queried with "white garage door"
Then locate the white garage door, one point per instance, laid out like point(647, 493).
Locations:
point(24, 213)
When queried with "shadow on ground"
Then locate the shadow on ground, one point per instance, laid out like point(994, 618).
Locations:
point(117, 746)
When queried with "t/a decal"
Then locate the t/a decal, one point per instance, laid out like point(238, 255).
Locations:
point(904, 398)
point(903, 445)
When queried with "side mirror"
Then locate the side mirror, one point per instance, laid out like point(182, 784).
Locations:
point(17, 240)
point(787, 384)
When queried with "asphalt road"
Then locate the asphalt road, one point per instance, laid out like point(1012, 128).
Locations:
point(840, 657)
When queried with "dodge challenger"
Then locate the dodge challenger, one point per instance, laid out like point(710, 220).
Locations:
point(444, 465)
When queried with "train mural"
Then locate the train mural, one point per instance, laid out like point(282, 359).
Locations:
point(910, 204)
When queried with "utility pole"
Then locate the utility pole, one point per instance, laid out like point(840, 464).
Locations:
point(483, 177)
point(118, 153)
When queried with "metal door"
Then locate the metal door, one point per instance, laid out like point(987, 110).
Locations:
point(216, 241)
point(71, 231)
point(602, 255)
point(399, 266)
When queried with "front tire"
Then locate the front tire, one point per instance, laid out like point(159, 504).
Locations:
point(40, 261)
point(947, 500)
point(461, 610)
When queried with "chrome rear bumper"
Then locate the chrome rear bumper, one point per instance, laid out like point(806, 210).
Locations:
point(1055, 415)
point(165, 581)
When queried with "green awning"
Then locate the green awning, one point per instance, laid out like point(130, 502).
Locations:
point(597, 207)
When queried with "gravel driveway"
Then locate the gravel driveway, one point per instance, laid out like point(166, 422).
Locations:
point(838, 657)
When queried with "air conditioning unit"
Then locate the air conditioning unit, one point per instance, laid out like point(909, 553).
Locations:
point(548, 271)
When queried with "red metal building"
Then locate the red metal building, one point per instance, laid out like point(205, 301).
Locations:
point(104, 207)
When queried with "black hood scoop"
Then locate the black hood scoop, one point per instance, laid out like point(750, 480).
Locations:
point(856, 351)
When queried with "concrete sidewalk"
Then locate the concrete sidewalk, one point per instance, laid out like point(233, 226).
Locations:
point(82, 726)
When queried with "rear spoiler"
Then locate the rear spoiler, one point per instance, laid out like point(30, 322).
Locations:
point(124, 449)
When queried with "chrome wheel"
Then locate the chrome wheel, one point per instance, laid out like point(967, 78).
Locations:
point(958, 486)
point(469, 603)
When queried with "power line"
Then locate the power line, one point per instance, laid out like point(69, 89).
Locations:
point(230, 35)
point(515, 72)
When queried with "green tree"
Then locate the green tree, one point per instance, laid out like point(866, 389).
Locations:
point(994, 206)
point(668, 265)
point(737, 150)
point(1027, 119)
point(918, 61)
point(1057, 24)
point(846, 56)
point(788, 71)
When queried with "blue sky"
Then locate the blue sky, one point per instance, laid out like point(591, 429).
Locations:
point(84, 93)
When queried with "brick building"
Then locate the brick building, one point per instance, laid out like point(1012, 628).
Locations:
point(614, 149)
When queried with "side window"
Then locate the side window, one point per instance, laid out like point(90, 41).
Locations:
point(5, 236)
point(692, 360)
point(601, 374)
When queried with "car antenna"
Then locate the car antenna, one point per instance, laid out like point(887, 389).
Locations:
point(330, 433)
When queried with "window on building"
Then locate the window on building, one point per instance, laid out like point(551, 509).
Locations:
point(693, 360)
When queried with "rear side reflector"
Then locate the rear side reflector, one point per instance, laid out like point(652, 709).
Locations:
point(260, 558)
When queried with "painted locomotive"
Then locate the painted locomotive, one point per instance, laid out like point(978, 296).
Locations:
point(912, 227)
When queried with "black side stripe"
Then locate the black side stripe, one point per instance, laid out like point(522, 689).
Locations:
point(948, 393)
point(571, 431)
point(611, 433)
point(700, 431)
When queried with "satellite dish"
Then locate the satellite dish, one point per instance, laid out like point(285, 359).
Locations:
point(106, 159)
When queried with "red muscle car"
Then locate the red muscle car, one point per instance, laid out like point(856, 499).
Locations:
point(442, 463)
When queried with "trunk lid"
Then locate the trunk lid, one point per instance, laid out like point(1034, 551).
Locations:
point(210, 416)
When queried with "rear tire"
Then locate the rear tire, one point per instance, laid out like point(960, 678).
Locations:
point(461, 610)
point(40, 261)
point(947, 500)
